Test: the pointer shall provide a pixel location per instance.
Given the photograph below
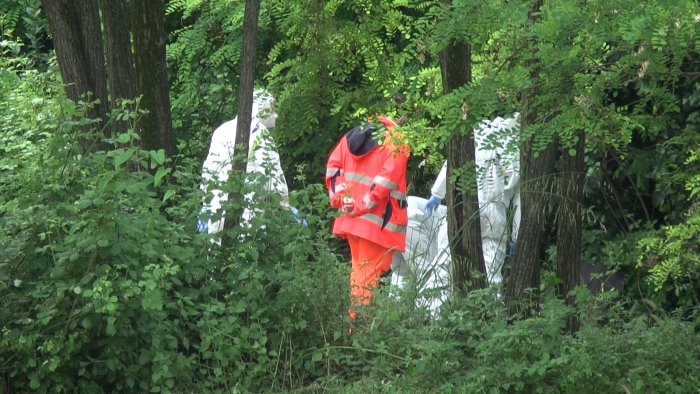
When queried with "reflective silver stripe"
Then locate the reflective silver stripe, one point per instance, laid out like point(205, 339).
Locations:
point(369, 203)
point(351, 176)
point(338, 188)
point(398, 195)
point(385, 182)
point(330, 171)
point(358, 178)
point(377, 179)
point(378, 221)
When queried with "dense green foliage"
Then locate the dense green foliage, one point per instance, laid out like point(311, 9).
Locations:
point(105, 285)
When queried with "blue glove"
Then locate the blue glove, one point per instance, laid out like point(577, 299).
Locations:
point(202, 221)
point(431, 205)
point(299, 220)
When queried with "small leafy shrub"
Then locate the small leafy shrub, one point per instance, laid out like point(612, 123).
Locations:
point(670, 256)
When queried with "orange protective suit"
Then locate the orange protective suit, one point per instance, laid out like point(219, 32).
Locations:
point(370, 169)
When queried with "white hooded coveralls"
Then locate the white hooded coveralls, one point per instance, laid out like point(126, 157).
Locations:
point(427, 246)
point(263, 158)
point(498, 166)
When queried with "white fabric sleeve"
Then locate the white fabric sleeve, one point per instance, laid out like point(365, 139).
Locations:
point(266, 161)
point(221, 151)
point(439, 188)
point(218, 162)
point(216, 168)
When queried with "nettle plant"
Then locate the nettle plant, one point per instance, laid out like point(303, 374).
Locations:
point(92, 248)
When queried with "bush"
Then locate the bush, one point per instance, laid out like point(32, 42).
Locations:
point(107, 287)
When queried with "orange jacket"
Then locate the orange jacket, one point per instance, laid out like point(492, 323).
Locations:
point(374, 176)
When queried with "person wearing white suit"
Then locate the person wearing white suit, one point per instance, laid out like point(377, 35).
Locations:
point(263, 159)
point(427, 253)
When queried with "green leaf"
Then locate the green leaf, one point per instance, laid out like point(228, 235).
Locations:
point(123, 156)
point(158, 157)
point(152, 301)
point(124, 138)
point(34, 381)
point(168, 195)
point(159, 175)
point(288, 248)
point(104, 182)
point(111, 330)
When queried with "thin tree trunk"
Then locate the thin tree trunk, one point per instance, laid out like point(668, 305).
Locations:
point(245, 100)
point(464, 228)
point(569, 223)
point(246, 86)
point(120, 61)
point(152, 75)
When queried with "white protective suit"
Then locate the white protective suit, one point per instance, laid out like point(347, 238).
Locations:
point(262, 158)
point(427, 252)
point(427, 255)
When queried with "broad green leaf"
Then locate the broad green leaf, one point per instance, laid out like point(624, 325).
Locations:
point(158, 157)
point(152, 300)
point(124, 138)
point(159, 175)
point(122, 156)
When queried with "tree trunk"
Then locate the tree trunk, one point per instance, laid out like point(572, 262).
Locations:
point(247, 83)
point(120, 62)
point(536, 185)
point(464, 229)
point(569, 223)
point(245, 99)
point(155, 127)
point(75, 28)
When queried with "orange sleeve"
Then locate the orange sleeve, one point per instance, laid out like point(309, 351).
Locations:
point(335, 175)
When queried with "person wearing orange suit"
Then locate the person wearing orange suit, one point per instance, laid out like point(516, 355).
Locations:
point(366, 181)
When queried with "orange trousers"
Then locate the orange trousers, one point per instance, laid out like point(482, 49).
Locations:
point(369, 262)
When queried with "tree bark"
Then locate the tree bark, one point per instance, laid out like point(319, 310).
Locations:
point(148, 27)
point(536, 185)
point(245, 99)
point(569, 223)
point(120, 61)
point(464, 228)
point(247, 82)
point(77, 39)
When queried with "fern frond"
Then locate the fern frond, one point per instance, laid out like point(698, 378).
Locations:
point(10, 12)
